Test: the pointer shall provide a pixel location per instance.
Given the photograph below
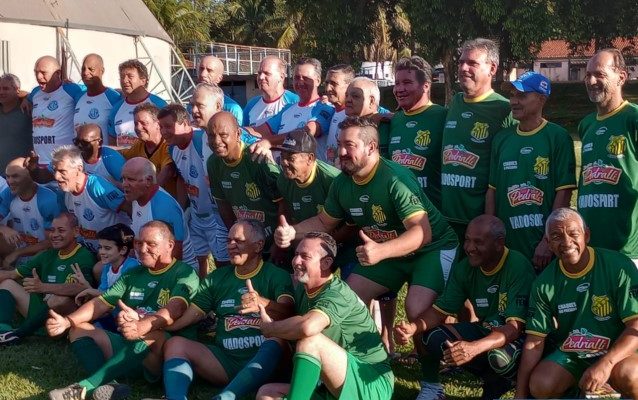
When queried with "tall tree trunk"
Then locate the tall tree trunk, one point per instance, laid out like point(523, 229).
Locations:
point(448, 69)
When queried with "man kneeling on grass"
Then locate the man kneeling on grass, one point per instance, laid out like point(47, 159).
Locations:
point(496, 281)
point(48, 281)
point(150, 299)
point(337, 340)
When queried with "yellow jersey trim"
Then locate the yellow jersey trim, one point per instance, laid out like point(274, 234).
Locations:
point(499, 266)
point(311, 178)
point(515, 319)
point(443, 311)
point(413, 214)
point(241, 156)
point(370, 175)
point(105, 302)
point(161, 271)
point(479, 98)
point(570, 186)
point(316, 292)
point(584, 272)
point(71, 254)
point(250, 274)
point(322, 313)
point(536, 333)
point(613, 112)
point(533, 131)
point(418, 110)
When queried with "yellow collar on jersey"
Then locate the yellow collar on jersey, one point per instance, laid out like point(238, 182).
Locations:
point(418, 110)
point(499, 266)
point(311, 178)
point(585, 270)
point(369, 177)
point(71, 253)
point(533, 131)
point(314, 293)
point(161, 271)
point(241, 155)
point(251, 274)
point(479, 98)
point(613, 112)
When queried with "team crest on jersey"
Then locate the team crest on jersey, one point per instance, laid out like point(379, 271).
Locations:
point(541, 167)
point(53, 105)
point(480, 131)
point(597, 173)
point(252, 191)
point(458, 155)
point(33, 223)
point(616, 146)
point(163, 297)
point(422, 139)
point(88, 214)
point(584, 342)
point(319, 208)
point(377, 214)
point(601, 307)
point(502, 302)
point(94, 113)
point(192, 171)
point(525, 193)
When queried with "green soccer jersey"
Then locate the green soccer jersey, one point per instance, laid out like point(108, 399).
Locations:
point(497, 296)
point(469, 130)
point(415, 142)
point(221, 293)
point(351, 325)
point(250, 187)
point(526, 171)
point(380, 203)
point(147, 291)
point(608, 186)
point(306, 200)
point(591, 307)
point(52, 267)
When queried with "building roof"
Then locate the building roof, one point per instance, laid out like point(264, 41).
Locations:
point(560, 49)
point(127, 17)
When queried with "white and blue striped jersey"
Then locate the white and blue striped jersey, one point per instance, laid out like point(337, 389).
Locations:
point(163, 207)
point(30, 217)
point(108, 277)
point(96, 110)
point(108, 166)
point(96, 206)
point(295, 116)
point(258, 111)
point(121, 121)
point(52, 118)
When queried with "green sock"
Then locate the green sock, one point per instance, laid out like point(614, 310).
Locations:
point(123, 361)
point(88, 353)
point(33, 321)
point(7, 310)
point(429, 368)
point(305, 375)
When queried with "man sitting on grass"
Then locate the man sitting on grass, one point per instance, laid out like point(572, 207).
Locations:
point(150, 299)
point(48, 281)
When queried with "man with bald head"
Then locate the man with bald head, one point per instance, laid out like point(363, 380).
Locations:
point(211, 71)
point(99, 160)
point(94, 107)
point(29, 209)
point(53, 106)
point(608, 186)
point(270, 79)
point(151, 202)
point(497, 281)
point(243, 188)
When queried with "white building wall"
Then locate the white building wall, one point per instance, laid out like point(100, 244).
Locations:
point(28, 42)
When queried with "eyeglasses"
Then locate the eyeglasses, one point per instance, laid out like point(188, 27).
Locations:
point(80, 142)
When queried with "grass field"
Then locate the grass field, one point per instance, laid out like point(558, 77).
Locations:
point(30, 370)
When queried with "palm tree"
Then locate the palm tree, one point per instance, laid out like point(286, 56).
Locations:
point(183, 20)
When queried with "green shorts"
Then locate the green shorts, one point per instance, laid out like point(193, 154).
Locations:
point(232, 363)
point(575, 365)
point(118, 342)
point(36, 305)
point(363, 381)
point(430, 269)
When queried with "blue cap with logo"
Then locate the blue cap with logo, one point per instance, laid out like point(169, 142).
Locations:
point(531, 82)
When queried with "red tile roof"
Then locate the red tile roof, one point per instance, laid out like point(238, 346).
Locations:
point(561, 49)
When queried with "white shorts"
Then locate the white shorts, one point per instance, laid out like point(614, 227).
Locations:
point(209, 236)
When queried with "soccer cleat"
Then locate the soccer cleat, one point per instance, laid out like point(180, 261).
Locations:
point(111, 391)
point(8, 338)
point(431, 391)
point(71, 392)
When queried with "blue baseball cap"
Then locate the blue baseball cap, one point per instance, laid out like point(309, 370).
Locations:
point(530, 82)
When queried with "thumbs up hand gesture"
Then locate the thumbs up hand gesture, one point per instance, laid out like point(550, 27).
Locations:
point(250, 300)
point(33, 285)
point(56, 324)
point(284, 234)
point(368, 252)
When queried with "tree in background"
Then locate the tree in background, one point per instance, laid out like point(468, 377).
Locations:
point(185, 21)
